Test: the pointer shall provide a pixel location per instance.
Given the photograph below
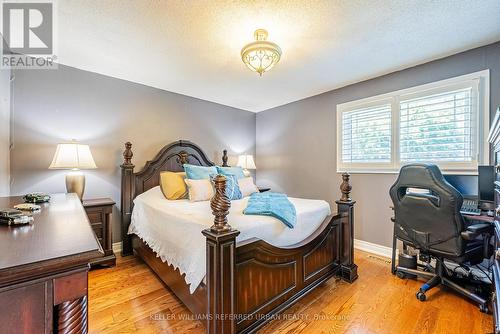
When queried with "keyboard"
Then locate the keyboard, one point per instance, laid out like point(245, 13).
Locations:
point(470, 207)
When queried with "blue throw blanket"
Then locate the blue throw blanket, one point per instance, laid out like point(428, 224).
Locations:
point(274, 205)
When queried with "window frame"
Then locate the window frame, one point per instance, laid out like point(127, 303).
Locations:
point(481, 111)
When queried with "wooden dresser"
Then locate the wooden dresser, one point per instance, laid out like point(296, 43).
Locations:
point(43, 268)
point(494, 139)
point(99, 214)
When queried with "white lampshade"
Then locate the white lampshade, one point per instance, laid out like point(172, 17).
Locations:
point(73, 156)
point(246, 162)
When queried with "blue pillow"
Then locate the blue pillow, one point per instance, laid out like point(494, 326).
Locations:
point(194, 172)
point(232, 189)
point(236, 171)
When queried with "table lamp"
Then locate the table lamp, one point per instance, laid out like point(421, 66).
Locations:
point(246, 162)
point(73, 156)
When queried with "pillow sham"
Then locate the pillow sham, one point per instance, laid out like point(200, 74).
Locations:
point(200, 190)
point(247, 187)
point(232, 188)
point(194, 172)
point(236, 171)
point(172, 185)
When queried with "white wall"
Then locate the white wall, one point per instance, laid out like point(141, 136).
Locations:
point(4, 132)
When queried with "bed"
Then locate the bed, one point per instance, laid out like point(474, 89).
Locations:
point(241, 270)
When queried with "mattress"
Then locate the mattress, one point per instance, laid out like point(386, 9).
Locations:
point(172, 229)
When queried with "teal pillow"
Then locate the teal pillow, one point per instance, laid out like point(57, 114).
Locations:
point(232, 188)
point(194, 172)
point(236, 171)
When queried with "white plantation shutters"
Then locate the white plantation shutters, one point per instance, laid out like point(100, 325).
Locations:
point(366, 135)
point(443, 122)
point(439, 127)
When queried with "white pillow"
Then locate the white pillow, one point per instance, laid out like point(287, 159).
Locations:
point(200, 190)
point(247, 186)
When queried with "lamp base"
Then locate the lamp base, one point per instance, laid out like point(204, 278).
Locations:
point(75, 183)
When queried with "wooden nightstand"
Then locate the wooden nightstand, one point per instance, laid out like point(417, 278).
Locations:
point(263, 190)
point(99, 214)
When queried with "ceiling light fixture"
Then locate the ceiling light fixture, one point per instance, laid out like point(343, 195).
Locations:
point(260, 56)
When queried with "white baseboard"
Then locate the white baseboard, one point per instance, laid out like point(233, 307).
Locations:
point(117, 247)
point(373, 248)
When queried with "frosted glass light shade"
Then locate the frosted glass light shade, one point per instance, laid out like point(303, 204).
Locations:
point(261, 55)
point(246, 162)
point(72, 156)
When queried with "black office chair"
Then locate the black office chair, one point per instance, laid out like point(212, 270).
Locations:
point(427, 217)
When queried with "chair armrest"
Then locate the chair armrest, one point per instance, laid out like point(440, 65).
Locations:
point(473, 231)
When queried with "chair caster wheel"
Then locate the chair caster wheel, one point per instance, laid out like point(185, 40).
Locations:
point(400, 274)
point(483, 308)
point(421, 296)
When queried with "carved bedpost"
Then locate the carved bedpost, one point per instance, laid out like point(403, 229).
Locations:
point(127, 197)
point(224, 159)
point(220, 253)
point(220, 205)
point(345, 206)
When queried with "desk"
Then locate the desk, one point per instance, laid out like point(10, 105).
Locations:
point(44, 266)
point(483, 218)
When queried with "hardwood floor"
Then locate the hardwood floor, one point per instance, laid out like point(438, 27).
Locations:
point(130, 299)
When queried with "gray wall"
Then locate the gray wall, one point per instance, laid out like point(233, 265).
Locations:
point(53, 106)
point(296, 146)
point(5, 93)
point(296, 143)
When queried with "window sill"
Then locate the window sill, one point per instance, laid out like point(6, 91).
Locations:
point(371, 171)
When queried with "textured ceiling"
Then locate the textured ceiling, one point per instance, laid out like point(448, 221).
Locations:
point(192, 47)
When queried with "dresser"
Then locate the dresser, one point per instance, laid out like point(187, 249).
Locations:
point(494, 139)
point(43, 268)
point(99, 213)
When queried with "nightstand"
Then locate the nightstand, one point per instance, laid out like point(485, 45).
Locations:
point(263, 190)
point(99, 214)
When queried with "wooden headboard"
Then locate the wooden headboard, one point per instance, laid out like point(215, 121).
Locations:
point(170, 158)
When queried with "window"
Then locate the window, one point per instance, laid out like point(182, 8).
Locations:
point(437, 127)
point(366, 135)
point(442, 122)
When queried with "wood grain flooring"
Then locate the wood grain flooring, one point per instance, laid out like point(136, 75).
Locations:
point(129, 298)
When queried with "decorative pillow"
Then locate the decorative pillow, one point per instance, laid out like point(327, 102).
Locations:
point(173, 186)
point(200, 190)
point(247, 187)
point(194, 172)
point(232, 189)
point(236, 171)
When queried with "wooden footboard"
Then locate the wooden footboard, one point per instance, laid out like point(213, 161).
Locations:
point(249, 282)
point(269, 279)
point(246, 282)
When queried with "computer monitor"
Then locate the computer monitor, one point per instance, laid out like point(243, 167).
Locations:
point(486, 186)
point(465, 184)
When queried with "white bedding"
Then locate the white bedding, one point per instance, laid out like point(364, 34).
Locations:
point(173, 228)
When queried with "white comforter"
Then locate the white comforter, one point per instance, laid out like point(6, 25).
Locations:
point(173, 228)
